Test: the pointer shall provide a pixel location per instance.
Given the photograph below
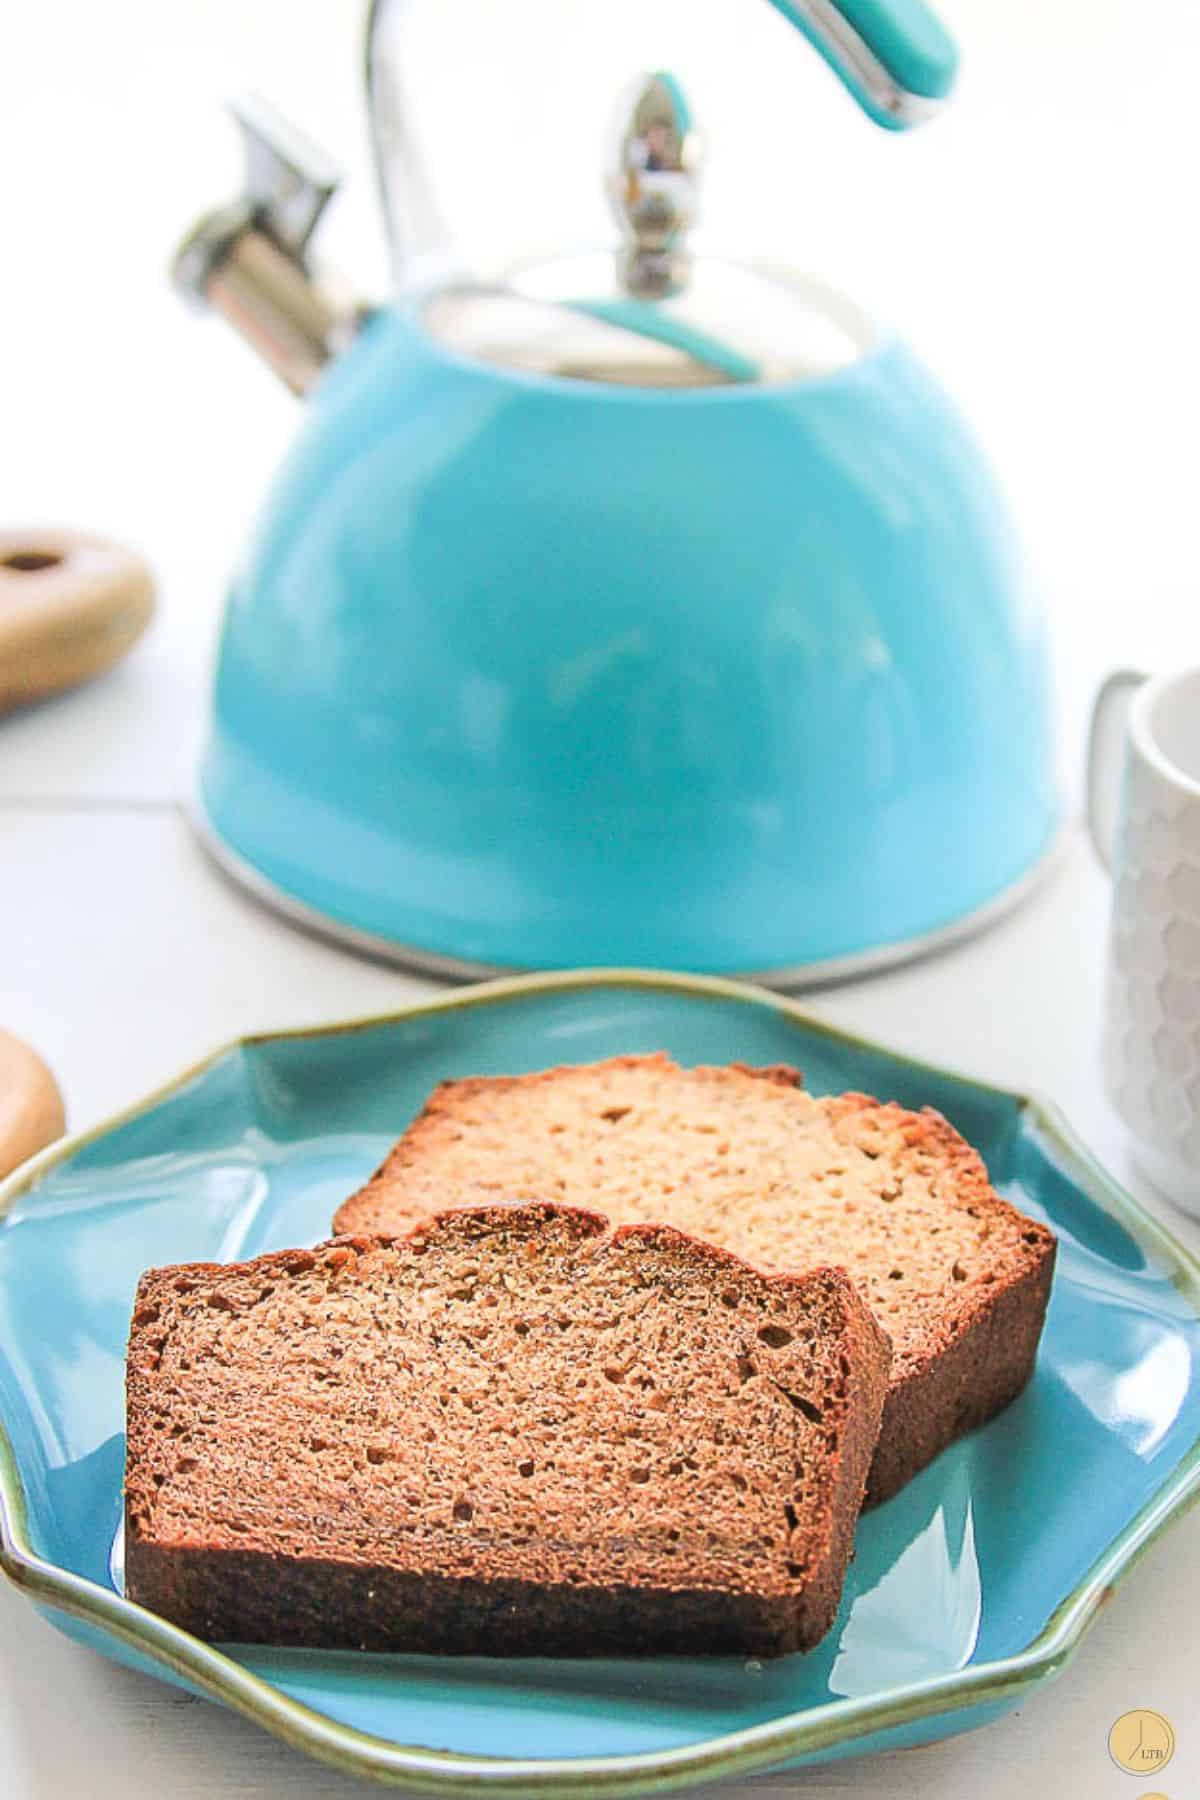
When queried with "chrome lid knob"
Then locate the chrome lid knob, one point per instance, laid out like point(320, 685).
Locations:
point(654, 187)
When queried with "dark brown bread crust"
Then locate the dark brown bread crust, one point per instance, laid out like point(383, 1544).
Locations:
point(281, 1585)
point(963, 1386)
point(975, 1355)
point(985, 1355)
point(230, 1596)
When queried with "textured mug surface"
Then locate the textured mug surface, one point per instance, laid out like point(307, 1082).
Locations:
point(1152, 1004)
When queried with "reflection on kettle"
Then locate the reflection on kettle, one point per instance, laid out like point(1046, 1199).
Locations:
point(636, 604)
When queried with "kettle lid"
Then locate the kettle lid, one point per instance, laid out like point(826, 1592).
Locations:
point(734, 324)
point(653, 312)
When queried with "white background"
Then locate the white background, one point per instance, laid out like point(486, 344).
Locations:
point(1038, 246)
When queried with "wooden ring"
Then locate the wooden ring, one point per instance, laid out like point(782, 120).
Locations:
point(31, 1106)
point(70, 605)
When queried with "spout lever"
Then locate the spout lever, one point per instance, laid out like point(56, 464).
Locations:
point(249, 260)
point(289, 180)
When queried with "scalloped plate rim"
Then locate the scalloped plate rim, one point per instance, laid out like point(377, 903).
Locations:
point(751, 1750)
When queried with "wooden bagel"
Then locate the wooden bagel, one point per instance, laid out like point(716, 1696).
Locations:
point(70, 605)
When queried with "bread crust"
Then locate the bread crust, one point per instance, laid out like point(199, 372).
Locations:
point(226, 1596)
point(985, 1356)
point(221, 1591)
point(965, 1382)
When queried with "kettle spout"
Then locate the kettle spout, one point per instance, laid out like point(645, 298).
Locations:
point(249, 260)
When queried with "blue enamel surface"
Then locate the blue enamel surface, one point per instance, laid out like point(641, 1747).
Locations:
point(965, 1566)
point(533, 672)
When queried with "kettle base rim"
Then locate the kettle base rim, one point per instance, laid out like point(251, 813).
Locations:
point(820, 972)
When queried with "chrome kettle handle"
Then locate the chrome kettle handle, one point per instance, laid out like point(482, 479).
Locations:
point(895, 56)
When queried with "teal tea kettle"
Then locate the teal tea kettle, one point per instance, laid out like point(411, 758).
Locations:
point(633, 605)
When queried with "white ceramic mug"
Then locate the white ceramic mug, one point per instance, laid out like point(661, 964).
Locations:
point(1144, 814)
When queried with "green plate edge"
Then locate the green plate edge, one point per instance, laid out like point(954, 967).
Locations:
point(446, 1773)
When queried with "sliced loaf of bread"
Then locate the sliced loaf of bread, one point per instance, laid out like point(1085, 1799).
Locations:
point(746, 1159)
point(515, 1432)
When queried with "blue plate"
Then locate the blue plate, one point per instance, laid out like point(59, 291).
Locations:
point(974, 1584)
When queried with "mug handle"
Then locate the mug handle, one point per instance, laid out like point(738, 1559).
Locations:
point(1106, 735)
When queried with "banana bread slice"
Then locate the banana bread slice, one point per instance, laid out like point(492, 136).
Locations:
point(746, 1159)
point(516, 1432)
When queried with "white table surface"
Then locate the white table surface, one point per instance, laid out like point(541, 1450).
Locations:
point(1039, 248)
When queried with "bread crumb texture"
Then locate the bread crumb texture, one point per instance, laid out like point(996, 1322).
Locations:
point(515, 1430)
point(746, 1159)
